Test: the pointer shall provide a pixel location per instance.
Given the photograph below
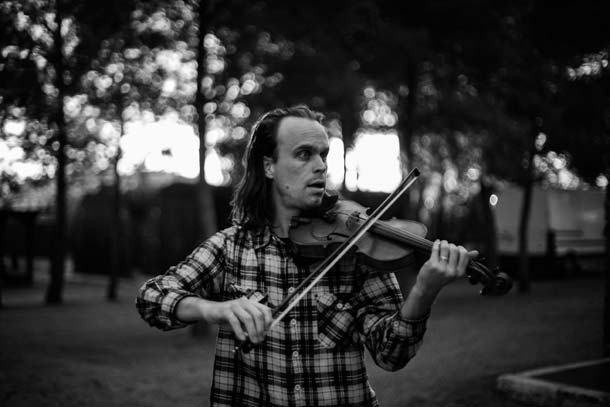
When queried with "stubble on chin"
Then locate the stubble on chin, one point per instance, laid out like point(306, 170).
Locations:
point(315, 202)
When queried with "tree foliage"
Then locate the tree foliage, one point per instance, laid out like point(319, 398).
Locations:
point(472, 83)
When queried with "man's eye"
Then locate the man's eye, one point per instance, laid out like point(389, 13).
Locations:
point(304, 154)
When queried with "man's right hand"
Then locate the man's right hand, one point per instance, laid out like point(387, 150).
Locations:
point(248, 318)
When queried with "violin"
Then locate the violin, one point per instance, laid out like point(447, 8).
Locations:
point(387, 246)
point(344, 224)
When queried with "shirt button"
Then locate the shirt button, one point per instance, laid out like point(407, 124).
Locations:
point(291, 290)
point(339, 306)
point(297, 387)
point(395, 324)
point(293, 322)
point(295, 354)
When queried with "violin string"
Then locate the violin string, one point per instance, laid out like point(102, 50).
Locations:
point(407, 236)
point(427, 245)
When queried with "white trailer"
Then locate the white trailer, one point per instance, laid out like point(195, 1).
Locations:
point(562, 223)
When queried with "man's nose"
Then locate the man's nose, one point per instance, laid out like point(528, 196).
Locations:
point(320, 164)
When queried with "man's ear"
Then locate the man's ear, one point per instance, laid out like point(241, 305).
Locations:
point(268, 166)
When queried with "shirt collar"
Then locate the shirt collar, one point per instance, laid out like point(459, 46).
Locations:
point(261, 237)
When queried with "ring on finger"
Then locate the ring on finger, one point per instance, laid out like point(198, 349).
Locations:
point(444, 258)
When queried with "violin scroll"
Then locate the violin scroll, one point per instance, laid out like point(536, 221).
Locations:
point(495, 283)
point(502, 284)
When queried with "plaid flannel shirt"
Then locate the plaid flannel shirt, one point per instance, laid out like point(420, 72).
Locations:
point(315, 356)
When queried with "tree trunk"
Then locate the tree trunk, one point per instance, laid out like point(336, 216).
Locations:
point(205, 202)
point(528, 186)
point(439, 224)
point(406, 125)
point(349, 123)
point(116, 244)
point(602, 127)
point(349, 127)
point(58, 254)
point(489, 220)
point(206, 209)
point(607, 275)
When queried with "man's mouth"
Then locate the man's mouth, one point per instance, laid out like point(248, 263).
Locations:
point(317, 185)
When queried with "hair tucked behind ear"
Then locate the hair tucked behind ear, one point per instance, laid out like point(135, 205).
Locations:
point(252, 206)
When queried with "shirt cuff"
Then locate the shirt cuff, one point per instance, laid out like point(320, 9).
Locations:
point(403, 327)
point(169, 307)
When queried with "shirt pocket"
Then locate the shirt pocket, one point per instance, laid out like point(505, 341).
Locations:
point(336, 320)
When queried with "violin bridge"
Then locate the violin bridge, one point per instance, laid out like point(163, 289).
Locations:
point(352, 220)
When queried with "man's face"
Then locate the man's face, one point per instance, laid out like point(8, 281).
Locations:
point(299, 172)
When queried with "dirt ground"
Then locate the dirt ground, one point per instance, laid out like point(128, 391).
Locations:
point(90, 352)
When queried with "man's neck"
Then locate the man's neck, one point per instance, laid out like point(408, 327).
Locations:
point(281, 227)
point(282, 221)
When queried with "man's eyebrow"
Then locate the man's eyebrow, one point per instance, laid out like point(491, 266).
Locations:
point(311, 146)
point(304, 146)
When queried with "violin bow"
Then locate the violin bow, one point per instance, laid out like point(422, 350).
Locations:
point(328, 263)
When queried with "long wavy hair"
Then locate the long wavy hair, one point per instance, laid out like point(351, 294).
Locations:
point(252, 205)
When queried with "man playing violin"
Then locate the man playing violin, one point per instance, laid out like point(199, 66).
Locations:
point(315, 355)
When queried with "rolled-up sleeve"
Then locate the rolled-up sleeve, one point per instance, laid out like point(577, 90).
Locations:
point(158, 297)
point(391, 340)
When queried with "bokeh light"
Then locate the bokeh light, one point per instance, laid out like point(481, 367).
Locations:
point(373, 164)
point(165, 146)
